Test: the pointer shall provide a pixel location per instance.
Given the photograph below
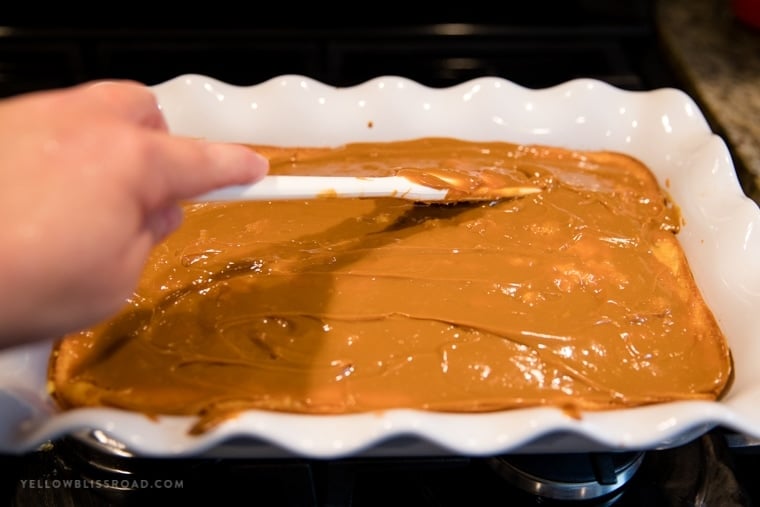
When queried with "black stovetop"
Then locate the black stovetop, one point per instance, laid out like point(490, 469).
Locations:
point(706, 471)
point(536, 44)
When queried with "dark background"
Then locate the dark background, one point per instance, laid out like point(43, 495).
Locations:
point(534, 43)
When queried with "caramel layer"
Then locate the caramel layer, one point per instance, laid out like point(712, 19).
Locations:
point(578, 296)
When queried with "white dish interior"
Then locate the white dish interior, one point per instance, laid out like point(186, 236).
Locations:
point(663, 128)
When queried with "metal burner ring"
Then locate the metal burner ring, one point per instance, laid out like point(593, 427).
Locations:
point(603, 474)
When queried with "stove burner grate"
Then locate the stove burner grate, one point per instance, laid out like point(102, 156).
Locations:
point(583, 476)
point(706, 471)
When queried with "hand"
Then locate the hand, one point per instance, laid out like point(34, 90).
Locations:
point(90, 181)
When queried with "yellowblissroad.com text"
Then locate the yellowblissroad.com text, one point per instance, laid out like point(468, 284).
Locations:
point(94, 484)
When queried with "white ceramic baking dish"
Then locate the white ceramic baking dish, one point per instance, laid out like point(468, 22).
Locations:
point(663, 128)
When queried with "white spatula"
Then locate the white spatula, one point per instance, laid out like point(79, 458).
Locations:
point(275, 187)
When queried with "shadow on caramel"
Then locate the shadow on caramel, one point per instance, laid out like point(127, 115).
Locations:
point(254, 353)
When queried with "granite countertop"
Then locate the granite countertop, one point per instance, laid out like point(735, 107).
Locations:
point(717, 58)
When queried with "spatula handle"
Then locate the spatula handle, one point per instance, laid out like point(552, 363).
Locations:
point(273, 188)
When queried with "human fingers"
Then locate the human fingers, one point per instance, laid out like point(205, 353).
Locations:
point(161, 222)
point(130, 100)
point(182, 168)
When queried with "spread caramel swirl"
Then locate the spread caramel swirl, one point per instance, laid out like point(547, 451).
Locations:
point(578, 296)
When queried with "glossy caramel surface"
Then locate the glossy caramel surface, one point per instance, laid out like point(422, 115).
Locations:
point(577, 296)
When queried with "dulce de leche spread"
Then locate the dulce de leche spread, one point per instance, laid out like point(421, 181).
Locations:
point(577, 296)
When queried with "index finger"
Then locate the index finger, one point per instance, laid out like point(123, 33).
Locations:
point(183, 168)
point(130, 100)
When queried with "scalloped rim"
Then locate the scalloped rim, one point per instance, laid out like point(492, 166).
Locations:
point(664, 128)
